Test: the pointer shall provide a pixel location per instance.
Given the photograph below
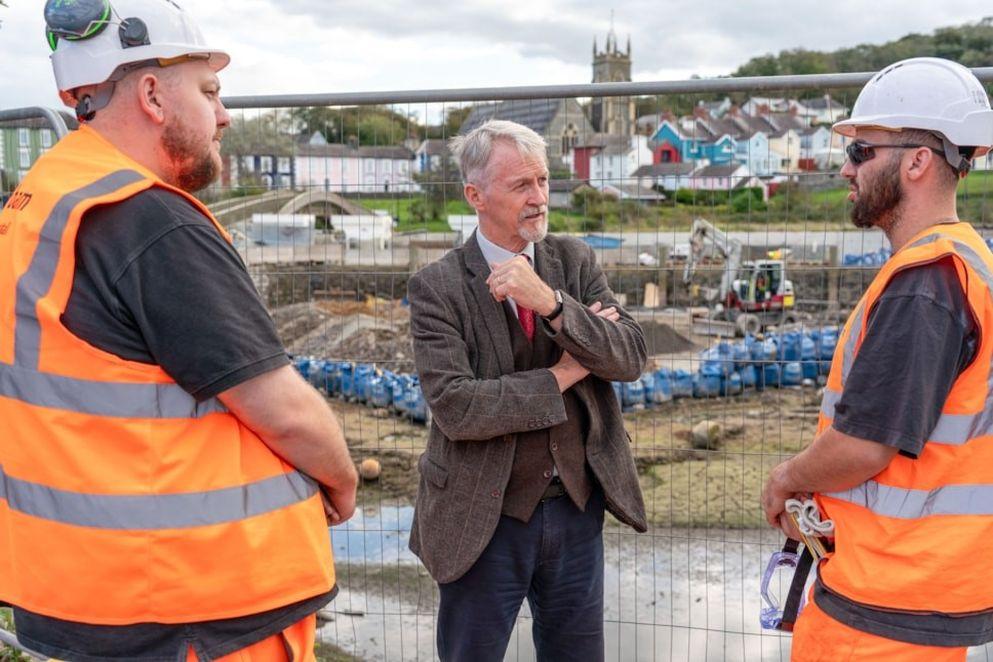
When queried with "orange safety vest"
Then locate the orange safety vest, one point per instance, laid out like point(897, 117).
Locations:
point(916, 537)
point(122, 499)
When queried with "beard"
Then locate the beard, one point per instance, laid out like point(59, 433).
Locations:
point(196, 166)
point(536, 233)
point(877, 205)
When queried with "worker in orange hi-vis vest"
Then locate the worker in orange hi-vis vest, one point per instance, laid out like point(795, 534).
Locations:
point(168, 478)
point(902, 462)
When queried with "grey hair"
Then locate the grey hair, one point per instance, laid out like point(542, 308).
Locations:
point(473, 149)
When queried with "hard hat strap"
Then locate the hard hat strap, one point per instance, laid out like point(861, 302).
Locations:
point(960, 158)
point(89, 104)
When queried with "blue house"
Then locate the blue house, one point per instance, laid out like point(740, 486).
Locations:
point(735, 138)
point(701, 142)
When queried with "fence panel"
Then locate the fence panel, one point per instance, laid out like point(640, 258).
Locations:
point(334, 201)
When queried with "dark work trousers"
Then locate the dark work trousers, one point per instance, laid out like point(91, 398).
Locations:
point(556, 562)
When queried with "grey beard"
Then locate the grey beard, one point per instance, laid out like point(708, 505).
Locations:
point(534, 235)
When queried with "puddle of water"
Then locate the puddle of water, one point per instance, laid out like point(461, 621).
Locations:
point(375, 535)
point(680, 595)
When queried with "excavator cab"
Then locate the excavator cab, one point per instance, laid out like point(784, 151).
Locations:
point(762, 286)
point(760, 296)
point(762, 282)
point(752, 294)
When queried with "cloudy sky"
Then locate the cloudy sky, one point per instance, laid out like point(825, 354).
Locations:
point(301, 46)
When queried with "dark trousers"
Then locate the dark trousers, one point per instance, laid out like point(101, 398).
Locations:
point(555, 561)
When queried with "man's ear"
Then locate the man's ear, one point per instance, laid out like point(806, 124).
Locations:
point(921, 160)
point(68, 98)
point(150, 90)
point(474, 196)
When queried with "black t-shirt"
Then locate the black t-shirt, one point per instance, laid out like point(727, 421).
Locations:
point(156, 283)
point(919, 337)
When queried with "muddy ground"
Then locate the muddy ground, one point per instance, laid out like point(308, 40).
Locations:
point(683, 486)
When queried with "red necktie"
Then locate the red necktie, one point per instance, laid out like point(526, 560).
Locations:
point(526, 318)
point(525, 315)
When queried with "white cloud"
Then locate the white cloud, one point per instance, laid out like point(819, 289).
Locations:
point(313, 46)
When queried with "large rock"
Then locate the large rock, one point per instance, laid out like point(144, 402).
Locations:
point(706, 435)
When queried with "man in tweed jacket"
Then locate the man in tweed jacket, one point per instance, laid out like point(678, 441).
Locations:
point(516, 338)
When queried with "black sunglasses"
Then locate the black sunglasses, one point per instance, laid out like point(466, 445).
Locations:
point(860, 151)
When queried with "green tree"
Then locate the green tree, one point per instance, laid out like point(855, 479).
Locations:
point(264, 134)
point(367, 125)
point(455, 116)
point(971, 44)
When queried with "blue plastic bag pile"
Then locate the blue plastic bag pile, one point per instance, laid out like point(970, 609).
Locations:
point(873, 259)
point(727, 369)
point(878, 258)
point(366, 384)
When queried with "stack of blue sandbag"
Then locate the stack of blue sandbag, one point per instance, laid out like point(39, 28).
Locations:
point(789, 359)
point(727, 369)
point(870, 259)
point(366, 384)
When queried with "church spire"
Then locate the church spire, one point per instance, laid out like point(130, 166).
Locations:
point(611, 37)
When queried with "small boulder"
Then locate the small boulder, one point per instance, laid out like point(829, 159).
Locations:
point(370, 469)
point(706, 435)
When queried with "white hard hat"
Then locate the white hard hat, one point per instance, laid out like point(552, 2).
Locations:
point(926, 93)
point(93, 38)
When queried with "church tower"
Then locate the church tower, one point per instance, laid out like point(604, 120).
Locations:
point(614, 115)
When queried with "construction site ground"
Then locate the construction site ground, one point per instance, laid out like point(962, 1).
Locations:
point(684, 486)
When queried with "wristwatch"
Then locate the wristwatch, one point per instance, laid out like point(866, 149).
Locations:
point(558, 307)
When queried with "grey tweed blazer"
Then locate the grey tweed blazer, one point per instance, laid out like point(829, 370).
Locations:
point(478, 402)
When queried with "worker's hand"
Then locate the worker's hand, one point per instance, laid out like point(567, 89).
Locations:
point(516, 279)
point(339, 505)
point(611, 313)
point(787, 526)
point(774, 496)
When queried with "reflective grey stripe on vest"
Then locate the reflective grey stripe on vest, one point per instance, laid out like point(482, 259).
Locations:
point(23, 382)
point(35, 283)
point(109, 399)
point(828, 401)
point(951, 429)
point(905, 503)
point(162, 511)
point(848, 354)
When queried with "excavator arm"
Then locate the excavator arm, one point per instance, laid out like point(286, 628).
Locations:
point(704, 233)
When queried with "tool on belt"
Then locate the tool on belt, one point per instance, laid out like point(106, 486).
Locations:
point(816, 544)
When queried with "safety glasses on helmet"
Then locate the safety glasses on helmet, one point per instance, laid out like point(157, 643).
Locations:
point(861, 151)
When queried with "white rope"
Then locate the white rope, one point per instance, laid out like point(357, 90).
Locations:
point(808, 517)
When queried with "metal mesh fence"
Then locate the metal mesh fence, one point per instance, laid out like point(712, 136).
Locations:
point(335, 201)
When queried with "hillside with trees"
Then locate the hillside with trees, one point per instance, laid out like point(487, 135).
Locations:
point(971, 44)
